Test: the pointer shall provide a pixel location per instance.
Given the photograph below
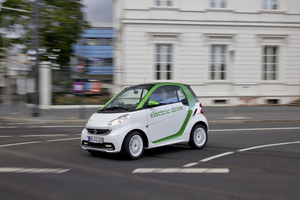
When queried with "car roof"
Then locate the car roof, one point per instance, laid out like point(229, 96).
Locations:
point(162, 83)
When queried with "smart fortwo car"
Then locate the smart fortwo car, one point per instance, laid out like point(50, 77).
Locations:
point(146, 116)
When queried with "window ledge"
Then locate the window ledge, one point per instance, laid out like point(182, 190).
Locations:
point(218, 81)
point(270, 82)
point(219, 9)
point(272, 11)
point(163, 8)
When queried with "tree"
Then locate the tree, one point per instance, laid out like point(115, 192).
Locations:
point(61, 22)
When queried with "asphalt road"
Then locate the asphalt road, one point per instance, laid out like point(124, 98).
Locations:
point(240, 161)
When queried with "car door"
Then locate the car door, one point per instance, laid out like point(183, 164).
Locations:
point(166, 119)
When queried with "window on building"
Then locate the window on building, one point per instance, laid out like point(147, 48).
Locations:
point(106, 42)
point(218, 3)
point(270, 62)
point(163, 62)
point(163, 2)
point(270, 4)
point(218, 62)
point(108, 62)
point(92, 41)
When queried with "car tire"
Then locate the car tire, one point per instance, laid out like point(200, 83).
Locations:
point(133, 146)
point(198, 137)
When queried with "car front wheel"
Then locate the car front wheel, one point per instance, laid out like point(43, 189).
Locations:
point(133, 146)
point(198, 137)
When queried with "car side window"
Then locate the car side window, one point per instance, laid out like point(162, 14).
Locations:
point(180, 93)
point(164, 95)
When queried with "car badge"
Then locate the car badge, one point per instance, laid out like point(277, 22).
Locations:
point(95, 131)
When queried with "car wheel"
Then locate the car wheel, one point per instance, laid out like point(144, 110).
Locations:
point(133, 146)
point(198, 137)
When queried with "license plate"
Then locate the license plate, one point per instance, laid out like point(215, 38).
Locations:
point(94, 139)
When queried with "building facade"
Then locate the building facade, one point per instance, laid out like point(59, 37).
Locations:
point(229, 51)
point(95, 47)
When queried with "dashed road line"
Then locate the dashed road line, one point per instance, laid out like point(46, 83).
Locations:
point(57, 140)
point(240, 150)
point(22, 143)
point(50, 135)
point(32, 170)
point(216, 156)
point(63, 126)
point(181, 170)
point(255, 129)
point(268, 145)
point(35, 142)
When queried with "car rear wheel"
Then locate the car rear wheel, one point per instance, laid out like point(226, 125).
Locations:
point(133, 146)
point(198, 137)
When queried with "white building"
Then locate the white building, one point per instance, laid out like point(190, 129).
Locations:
point(229, 51)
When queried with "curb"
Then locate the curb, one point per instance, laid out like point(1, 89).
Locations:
point(83, 121)
point(250, 121)
point(64, 121)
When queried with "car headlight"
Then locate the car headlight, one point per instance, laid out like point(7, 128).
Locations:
point(119, 120)
point(88, 121)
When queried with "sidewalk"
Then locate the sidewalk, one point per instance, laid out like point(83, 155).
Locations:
point(216, 114)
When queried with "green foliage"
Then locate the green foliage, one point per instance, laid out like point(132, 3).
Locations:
point(60, 25)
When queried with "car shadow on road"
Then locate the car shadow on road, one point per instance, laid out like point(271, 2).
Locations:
point(155, 152)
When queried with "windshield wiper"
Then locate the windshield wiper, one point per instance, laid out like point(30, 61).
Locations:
point(116, 108)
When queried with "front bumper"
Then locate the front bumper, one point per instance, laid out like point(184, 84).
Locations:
point(112, 142)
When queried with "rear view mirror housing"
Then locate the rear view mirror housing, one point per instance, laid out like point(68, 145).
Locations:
point(153, 103)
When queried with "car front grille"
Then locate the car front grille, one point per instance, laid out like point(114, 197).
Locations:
point(98, 131)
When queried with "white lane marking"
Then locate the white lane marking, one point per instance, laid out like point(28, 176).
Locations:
point(5, 136)
point(255, 129)
point(12, 123)
point(213, 130)
point(44, 135)
point(34, 142)
point(63, 139)
point(216, 156)
point(268, 145)
point(15, 123)
point(16, 144)
point(240, 150)
point(69, 126)
point(190, 164)
point(32, 170)
point(181, 170)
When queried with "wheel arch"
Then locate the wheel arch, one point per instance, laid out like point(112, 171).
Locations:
point(201, 123)
point(146, 141)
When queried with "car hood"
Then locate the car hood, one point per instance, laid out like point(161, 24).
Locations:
point(102, 119)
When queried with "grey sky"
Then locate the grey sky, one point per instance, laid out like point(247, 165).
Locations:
point(98, 10)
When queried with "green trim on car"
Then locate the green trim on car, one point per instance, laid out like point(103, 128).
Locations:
point(179, 133)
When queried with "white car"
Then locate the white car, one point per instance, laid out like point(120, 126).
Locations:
point(146, 116)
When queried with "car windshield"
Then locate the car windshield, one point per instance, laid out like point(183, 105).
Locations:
point(128, 99)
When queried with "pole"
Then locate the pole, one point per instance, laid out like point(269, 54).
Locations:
point(36, 112)
point(231, 110)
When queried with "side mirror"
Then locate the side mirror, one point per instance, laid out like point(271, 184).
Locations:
point(153, 103)
point(185, 102)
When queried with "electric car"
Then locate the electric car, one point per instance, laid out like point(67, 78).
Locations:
point(146, 116)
